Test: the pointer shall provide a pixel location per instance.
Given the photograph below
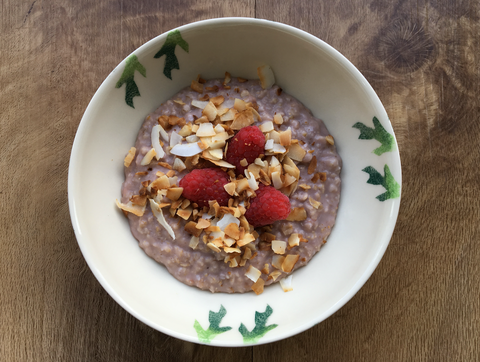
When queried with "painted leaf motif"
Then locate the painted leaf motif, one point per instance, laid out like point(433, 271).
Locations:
point(387, 181)
point(260, 328)
point(174, 38)
point(214, 328)
point(379, 133)
point(131, 90)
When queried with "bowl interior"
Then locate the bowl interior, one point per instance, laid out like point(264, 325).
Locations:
point(308, 69)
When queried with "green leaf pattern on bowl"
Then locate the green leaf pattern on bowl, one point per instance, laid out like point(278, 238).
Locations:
point(174, 38)
point(214, 329)
point(131, 90)
point(387, 145)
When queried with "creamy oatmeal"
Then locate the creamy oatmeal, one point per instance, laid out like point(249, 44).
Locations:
point(300, 160)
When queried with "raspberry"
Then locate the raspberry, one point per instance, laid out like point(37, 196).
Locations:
point(202, 185)
point(269, 206)
point(248, 143)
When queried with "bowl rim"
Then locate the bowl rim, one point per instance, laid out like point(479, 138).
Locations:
point(243, 21)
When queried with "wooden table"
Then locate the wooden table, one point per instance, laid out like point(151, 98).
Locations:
point(422, 58)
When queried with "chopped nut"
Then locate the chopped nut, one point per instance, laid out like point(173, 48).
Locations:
point(227, 79)
point(217, 100)
point(204, 98)
point(312, 166)
point(289, 263)
point(191, 228)
point(170, 173)
point(202, 224)
point(233, 231)
point(244, 162)
point(165, 164)
point(258, 286)
point(330, 140)
point(142, 173)
point(185, 213)
point(316, 204)
point(297, 214)
point(196, 86)
point(241, 80)
point(174, 193)
point(129, 157)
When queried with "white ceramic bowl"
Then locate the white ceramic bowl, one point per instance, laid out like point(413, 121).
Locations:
point(317, 75)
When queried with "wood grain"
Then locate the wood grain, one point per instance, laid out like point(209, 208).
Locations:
point(422, 58)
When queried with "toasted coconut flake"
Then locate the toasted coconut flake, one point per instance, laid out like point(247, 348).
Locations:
point(199, 104)
point(278, 119)
point(228, 116)
point(210, 111)
point(202, 224)
point(219, 129)
point(253, 273)
point(191, 228)
point(305, 186)
point(175, 139)
point(277, 148)
point(266, 269)
point(258, 286)
point(279, 246)
point(312, 166)
point(196, 86)
point(206, 130)
point(239, 105)
point(157, 211)
point(129, 157)
point(170, 173)
point(179, 101)
point(178, 165)
point(226, 220)
point(242, 119)
point(185, 203)
point(322, 176)
point(229, 250)
point(148, 157)
point(132, 208)
point(212, 89)
point(274, 274)
point(139, 200)
point(289, 263)
point(247, 238)
point(244, 162)
point(252, 183)
point(230, 188)
point(222, 110)
point(214, 247)
point(277, 261)
point(205, 97)
point(217, 100)
point(194, 242)
point(242, 185)
point(269, 145)
point(297, 214)
point(293, 240)
point(277, 180)
point(259, 162)
point(227, 79)
point(266, 126)
point(286, 137)
point(185, 213)
point(316, 204)
point(174, 193)
point(286, 284)
point(221, 163)
point(173, 181)
point(160, 183)
point(192, 139)
point(267, 79)
point(330, 140)
point(186, 150)
point(217, 145)
point(216, 153)
point(296, 152)
point(229, 241)
point(232, 231)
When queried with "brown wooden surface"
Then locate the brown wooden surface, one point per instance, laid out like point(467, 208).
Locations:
point(422, 57)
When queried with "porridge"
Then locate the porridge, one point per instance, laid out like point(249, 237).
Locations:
point(232, 185)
